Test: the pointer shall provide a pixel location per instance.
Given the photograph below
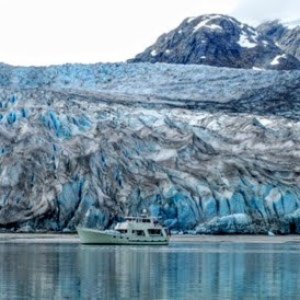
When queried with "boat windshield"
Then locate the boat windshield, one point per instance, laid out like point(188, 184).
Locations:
point(139, 232)
point(154, 231)
point(139, 220)
point(145, 220)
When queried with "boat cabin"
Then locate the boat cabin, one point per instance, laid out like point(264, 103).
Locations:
point(140, 227)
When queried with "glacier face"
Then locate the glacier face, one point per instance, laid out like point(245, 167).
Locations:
point(207, 150)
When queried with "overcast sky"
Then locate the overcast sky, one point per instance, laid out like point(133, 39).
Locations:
point(43, 32)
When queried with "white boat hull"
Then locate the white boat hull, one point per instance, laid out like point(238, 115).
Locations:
point(92, 236)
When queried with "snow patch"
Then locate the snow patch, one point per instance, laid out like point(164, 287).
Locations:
point(253, 32)
point(168, 51)
point(204, 23)
point(200, 25)
point(244, 41)
point(215, 27)
point(265, 43)
point(189, 20)
point(277, 59)
point(153, 53)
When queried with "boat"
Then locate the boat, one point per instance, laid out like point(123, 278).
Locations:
point(133, 231)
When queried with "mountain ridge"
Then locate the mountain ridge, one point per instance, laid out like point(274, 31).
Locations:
point(218, 40)
point(285, 36)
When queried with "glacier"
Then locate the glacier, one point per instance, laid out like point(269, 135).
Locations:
point(204, 149)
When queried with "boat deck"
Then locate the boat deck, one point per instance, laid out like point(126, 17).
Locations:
point(63, 238)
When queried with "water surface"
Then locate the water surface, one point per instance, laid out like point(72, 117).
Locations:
point(180, 271)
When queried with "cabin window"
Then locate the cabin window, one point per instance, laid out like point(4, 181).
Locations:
point(122, 230)
point(138, 232)
point(155, 231)
point(146, 220)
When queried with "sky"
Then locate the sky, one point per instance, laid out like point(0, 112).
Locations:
point(45, 32)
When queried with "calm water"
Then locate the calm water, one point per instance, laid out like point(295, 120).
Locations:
point(180, 271)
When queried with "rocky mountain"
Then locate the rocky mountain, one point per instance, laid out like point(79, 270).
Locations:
point(203, 149)
point(285, 35)
point(221, 41)
point(275, 30)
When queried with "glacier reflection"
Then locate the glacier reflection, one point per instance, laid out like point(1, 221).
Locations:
point(181, 271)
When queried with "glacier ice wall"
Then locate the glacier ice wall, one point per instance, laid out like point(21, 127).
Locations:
point(204, 149)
